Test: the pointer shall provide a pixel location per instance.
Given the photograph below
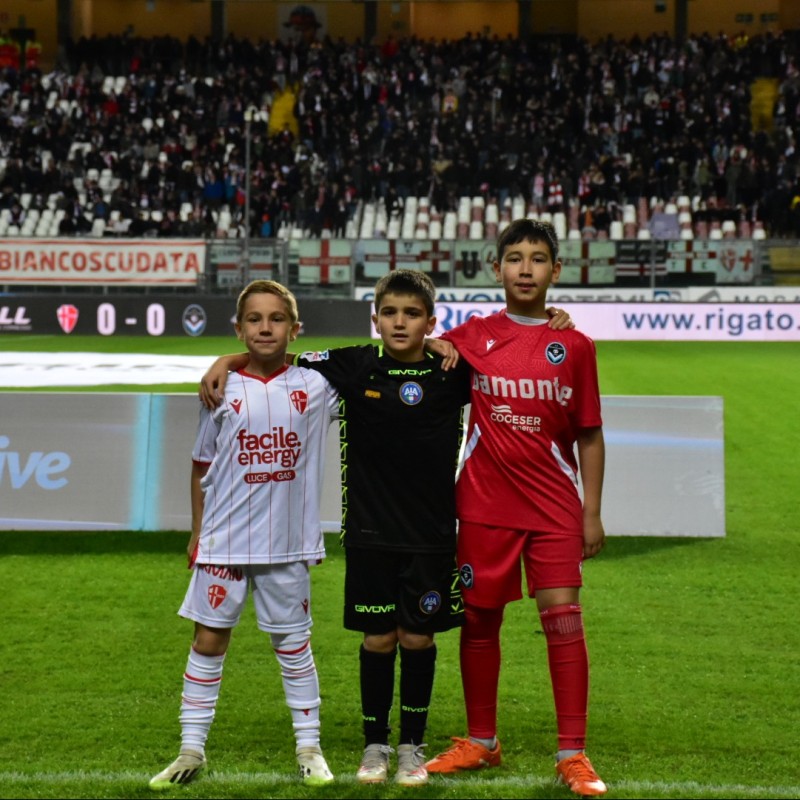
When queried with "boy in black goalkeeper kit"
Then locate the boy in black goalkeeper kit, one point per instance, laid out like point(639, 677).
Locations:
point(398, 510)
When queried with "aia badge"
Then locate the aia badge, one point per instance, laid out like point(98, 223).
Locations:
point(67, 316)
point(299, 400)
point(236, 404)
point(430, 602)
point(411, 393)
point(216, 594)
point(556, 353)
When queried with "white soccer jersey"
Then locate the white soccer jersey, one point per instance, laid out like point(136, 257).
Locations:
point(265, 445)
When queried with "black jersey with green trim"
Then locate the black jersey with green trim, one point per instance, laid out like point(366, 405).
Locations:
point(400, 433)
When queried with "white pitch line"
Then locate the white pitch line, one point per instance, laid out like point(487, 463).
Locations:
point(641, 788)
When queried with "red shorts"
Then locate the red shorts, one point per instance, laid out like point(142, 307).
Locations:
point(489, 563)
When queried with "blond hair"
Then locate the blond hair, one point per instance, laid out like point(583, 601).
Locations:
point(267, 287)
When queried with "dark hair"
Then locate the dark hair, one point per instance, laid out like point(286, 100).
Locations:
point(407, 281)
point(528, 230)
point(267, 287)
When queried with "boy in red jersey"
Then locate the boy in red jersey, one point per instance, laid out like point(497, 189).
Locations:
point(534, 397)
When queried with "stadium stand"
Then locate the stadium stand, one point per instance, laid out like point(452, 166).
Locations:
point(146, 137)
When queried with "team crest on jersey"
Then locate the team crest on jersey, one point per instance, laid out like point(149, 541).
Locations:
point(216, 594)
point(236, 404)
point(299, 400)
point(556, 353)
point(430, 602)
point(467, 576)
point(411, 393)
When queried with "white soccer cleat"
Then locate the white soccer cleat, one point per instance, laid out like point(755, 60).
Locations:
point(374, 766)
point(313, 767)
point(411, 765)
point(184, 769)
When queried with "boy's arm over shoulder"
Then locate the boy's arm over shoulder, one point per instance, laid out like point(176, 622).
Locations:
point(337, 364)
point(212, 384)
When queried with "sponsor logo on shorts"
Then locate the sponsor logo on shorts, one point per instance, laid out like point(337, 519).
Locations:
point(555, 353)
point(216, 594)
point(411, 393)
point(467, 576)
point(225, 573)
point(430, 602)
point(363, 609)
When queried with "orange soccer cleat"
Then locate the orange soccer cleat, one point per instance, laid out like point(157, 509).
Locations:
point(464, 755)
point(578, 773)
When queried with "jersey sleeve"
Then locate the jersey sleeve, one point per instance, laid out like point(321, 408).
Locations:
point(205, 444)
point(336, 365)
point(587, 413)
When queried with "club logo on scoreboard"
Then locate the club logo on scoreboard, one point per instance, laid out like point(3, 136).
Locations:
point(194, 320)
point(67, 316)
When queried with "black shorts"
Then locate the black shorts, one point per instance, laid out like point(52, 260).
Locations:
point(384, 590)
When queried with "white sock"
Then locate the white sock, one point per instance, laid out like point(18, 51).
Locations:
point(489, 744)
point(300, 684)
point(201, 685)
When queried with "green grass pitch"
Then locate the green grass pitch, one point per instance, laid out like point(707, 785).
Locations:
point(694, 645)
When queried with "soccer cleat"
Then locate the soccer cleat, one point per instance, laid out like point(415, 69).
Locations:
point(411, 765)
point(313, 767)
point(184, 769)
point(578, 773)
point(464, 755)
point(374, 765)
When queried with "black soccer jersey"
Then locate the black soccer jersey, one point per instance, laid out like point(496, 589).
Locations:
point(400, 431)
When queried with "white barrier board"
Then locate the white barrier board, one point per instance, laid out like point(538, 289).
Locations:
point(122, 462)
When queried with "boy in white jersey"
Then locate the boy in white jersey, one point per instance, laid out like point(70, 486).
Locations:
point(534, 397)
point(256, 481)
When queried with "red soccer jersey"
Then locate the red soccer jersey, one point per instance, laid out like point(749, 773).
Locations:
point(533, 389)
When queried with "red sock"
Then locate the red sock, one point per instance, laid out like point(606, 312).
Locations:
point(480, 668)
point(569, 672)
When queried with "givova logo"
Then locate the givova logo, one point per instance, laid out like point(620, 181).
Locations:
point(45, 469)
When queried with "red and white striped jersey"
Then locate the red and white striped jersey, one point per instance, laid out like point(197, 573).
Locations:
point(265, 445)
point(533, 389)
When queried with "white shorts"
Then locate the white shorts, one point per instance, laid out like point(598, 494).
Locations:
point(281, 595)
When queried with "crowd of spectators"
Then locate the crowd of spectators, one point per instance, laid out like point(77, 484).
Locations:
point(559, 121)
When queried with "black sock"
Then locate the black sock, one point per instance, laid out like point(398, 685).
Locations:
point(417, 668)
point(377, 694)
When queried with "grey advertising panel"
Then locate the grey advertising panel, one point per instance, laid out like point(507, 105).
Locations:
point(122, 462)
